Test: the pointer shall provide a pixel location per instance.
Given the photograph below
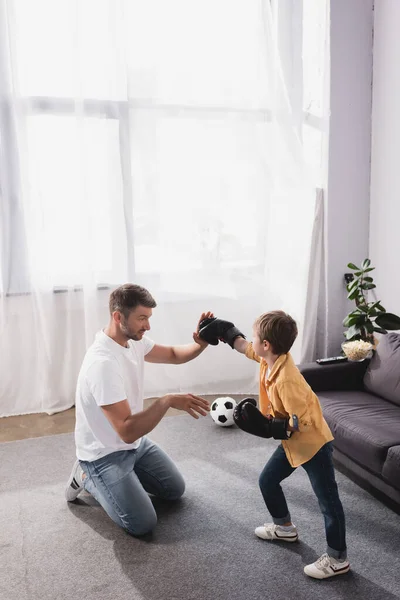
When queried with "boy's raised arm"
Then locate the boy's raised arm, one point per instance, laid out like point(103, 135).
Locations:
point(240, 345)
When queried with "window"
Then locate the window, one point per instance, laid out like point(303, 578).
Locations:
point(315, 52)
point(302, 29)
point(123, 114)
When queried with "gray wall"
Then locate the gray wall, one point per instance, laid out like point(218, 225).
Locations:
point(348, 195)
point(385, 163)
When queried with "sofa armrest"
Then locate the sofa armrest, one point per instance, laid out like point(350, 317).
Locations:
point(342, 376)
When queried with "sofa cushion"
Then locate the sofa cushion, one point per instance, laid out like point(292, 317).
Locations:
point(391, 468)
point(364, 426)
point(383, 374)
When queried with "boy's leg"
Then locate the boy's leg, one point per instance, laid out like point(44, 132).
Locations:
point(322, 476)
point(112, 481)
point(157, 472)
point(321, 472)
point(276, 469)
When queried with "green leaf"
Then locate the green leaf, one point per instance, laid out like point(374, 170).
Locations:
point(349, 321)
point(352, 331)
point(351, 286)
point(363, 307)
point(380, 307)
point(369, 279)
point(369, 326)
point(373, 305)
point(370, 269)
point(380, 330)
point(352, 294)
point(388, 321)
point(365, 263)
point(354, 312)
point(353, 320)
point(353, 266)
point(367, 286)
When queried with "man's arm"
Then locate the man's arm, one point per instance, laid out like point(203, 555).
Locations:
point(174, 355)
point(132, 427)
point(177, 355)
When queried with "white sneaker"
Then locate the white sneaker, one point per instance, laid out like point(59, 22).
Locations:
point(75, 483)
point(326, 566)
point(270, 531)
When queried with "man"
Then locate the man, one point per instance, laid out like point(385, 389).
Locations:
point(117, 464)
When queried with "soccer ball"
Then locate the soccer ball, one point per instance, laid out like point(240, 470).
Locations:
point(222, 411)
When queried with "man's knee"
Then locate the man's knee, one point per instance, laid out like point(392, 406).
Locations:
point(142, 527)
point(177, 489)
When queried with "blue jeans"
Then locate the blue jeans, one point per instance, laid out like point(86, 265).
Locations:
point(121, 482)
point(321, 473)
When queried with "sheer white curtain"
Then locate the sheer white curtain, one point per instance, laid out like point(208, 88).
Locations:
point(152, 142)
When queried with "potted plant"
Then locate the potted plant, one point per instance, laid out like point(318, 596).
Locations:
point(368, 317)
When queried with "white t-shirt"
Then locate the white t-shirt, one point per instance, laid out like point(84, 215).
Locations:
point(109, 373)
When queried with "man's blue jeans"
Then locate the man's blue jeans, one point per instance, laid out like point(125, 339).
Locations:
point(321, 473)
point(121, 482)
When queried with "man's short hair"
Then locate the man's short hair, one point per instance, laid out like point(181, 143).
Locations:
point(128, 296)
point(279, 329)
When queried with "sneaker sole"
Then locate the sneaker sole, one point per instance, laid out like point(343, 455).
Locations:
point(339, 572)
point(284, 538)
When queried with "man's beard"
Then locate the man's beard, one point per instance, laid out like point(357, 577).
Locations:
point(131, 335)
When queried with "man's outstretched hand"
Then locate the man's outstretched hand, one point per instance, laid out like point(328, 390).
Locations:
point(194, 405)
point(196, 337)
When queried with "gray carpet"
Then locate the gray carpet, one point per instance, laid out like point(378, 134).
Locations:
point(203, 548)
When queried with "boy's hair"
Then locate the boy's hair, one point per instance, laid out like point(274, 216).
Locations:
point(127, 297)
point(277, 328)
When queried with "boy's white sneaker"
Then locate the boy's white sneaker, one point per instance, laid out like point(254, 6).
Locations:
point(75, 483)
point(270, 531)
point(326, 566)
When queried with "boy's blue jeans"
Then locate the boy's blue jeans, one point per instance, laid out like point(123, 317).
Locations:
point(321, 473)
point(121, 482)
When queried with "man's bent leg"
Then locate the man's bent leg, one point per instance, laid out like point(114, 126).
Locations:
point(111, 480)
point(157, 472)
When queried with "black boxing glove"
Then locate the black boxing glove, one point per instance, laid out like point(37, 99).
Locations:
point(211, 330)
point(240, 416)
point(208, 335)
point(248, 418)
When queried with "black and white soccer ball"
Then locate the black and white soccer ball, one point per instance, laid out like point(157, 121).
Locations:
point(222, 411)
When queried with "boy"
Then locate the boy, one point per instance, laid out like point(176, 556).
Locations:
point(290, 411)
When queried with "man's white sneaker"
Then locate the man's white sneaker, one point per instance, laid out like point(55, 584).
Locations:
point(270, 531)
point(75, 483)
point(326, 566)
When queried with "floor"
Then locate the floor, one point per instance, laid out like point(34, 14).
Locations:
point(39, 425)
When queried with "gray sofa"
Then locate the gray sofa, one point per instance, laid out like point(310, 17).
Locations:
point(361, 403)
